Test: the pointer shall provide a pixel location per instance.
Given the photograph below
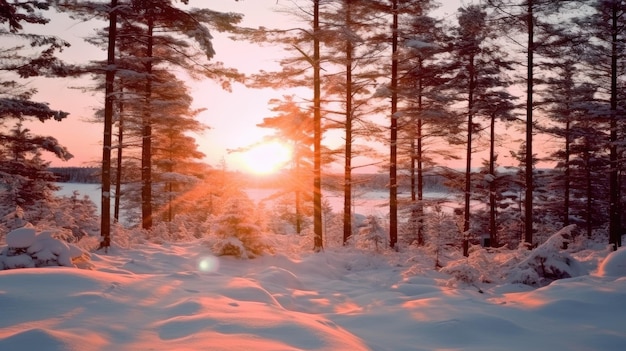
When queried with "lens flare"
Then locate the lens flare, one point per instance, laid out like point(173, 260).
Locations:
point(208, 264)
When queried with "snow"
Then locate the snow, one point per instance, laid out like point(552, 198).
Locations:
point(178, 296)
point(614, 265)
point(26, 249)
point(21, 238)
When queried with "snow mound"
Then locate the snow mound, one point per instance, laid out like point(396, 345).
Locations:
point(27, 249)
point(548, 262)
point(33, 339)
point(614, 265)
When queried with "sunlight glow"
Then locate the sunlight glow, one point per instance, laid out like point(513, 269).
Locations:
point(267, 158)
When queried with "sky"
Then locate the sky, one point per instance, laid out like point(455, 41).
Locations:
point(231, 116)
point(180, 296)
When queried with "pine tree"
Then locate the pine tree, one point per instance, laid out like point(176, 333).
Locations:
point(589, 167)
point(478, 79)
point(352, 55)
point(175, 154)
point(294, 126)
point(606, 27)
point(23, 173)
point(563, 101)
point(424, 121)
point(240, 235)
point(105, 216)
point(399, 36)
point(529, 18)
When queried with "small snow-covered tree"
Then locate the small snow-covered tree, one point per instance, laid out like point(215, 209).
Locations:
point(373, 232)
point(548, 262)
point(238, 234)
point(78, 215)
point(28, 249)
point(441, 231)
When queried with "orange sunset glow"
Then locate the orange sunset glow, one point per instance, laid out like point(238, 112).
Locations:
point(267, 157)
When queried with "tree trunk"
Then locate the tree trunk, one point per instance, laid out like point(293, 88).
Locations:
point(413, 168)
point(589, 202)
point(146, 142)
point(468, 156)
point(528, 204)
point(298, 196)
point(417, 171)
point(393, 182)
point(420, 182)
point(615, 235)
point(493, 235)
point(318, 243)
point(118, 174)
point(105, 218)
point(347, 199)
point(567, 174)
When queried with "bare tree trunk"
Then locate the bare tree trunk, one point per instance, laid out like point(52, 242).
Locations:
point(298, 197)
point(347, 191)
point(417, 167)
point(589, 202)
point(493, 235)
point(118, 174)
point(566, 202)
point(615, 235)
point(420, 181)
point(528, 204)
point(393, 181)
point(468, 165)
point(318, 243)
point(105, 218)
point(146, 142)
point(170, 203)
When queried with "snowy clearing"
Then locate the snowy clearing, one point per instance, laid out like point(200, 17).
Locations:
point(180, 297)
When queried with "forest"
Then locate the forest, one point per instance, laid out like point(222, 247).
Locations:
point(403, 87)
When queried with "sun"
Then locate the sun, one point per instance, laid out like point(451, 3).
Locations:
point(267, 158)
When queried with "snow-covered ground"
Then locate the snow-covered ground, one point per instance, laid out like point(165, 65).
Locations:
point(180, 297)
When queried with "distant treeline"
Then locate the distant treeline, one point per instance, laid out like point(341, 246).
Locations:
point(89, 175)
point(433, 181)
point(378, 181)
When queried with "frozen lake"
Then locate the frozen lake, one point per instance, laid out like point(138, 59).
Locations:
point(91, 190)
point(368, 203)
